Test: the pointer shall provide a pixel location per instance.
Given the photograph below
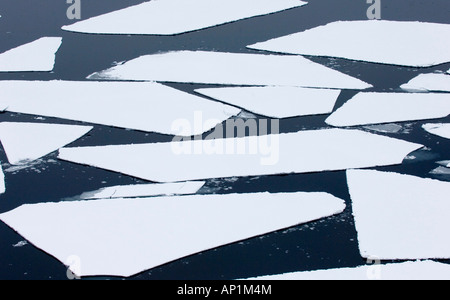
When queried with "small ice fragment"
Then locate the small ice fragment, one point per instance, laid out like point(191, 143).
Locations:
point(429, 82)
point(442, 130)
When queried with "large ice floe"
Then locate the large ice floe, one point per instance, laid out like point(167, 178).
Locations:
point(400, 216)
point(37, 56)
point(434, 82)
point(122, 237)
point(442, 130)
point(230, 69)
point(378, 41)
point(145, 106)
point(300, 152)
point(157, 17)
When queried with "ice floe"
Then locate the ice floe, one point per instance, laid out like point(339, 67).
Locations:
point(445, 163)
point(410, 270)
point(429, 82)
point(442, 130)
point(145, 106)
point(379, 41)
point(2, 181)
point(156, 17)
point(230, 68)
point(277, 102)
point(122, 237)
point(400, 216)
point(144, 190)
point(26, 142)
point(300, 152)
point(441, 171)
point(37, 56)
point(377, 108)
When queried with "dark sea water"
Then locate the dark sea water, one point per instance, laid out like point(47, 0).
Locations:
point(324, 244)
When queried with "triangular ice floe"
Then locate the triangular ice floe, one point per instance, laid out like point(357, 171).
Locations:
point(277, 102)
point(145, 106)
point(230, 68)
point(377, 108)
point(170, 17)
point(37, 56)
point(429, 82)
point(379, 41)
point(25, 142)
point(442, 130)
point(300, 152)
point(400, 216)
point(122, 237)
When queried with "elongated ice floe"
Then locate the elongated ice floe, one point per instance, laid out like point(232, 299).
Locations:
point(144, 190)
point(26, 142)
point(442, 130)
point(377, 108)
point(2, 181)
point(410, 270)
point(386, 42)
point(301, 152)
point(145, 106)
point(37, 56)
point(445, 163)
point(429, 82)
point(400, 216)
point(153, 17)
point(122, 237)
point(230, 68)
point(277, 102)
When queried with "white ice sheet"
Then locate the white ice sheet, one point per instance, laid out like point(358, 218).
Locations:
point(400, 216)
point(169, 17)
point(230, 68)
point(442, 130)
point(429, 82)
point(37, 56)
point(122, 237)
point(2, 181)
point(415, 44)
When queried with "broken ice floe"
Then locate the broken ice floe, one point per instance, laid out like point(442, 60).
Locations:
point(445, 163)
point(377, 108)
point(386, 42)
point(153, 17)
point(410, 270)
point(143, 190)
point(230, 68)
point(277, 102)
point(37, 56)
point(145, 106)
point(385, 128)
point(2, 181)
point(122, 237)
point(400, 216)
point(26, 142)
point(441, 171)
point(429, 82)
point(300, 152)
point(442, 130)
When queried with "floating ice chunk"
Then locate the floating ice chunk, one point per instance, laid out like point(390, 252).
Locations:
point(144, 190)
point(377, 108)
point(277, 102)
point(385, 128)
point(2, 181)
point(156, 17)
point(301, 152)
point(441, 171)
point(442, 130)
point(230, 68)
point(26, 142)
point(122, 237)
point(386, 42)
point(445, 163)
point(145, 106)
point(429, 82)
point(400, 216)
point(410, 270)
point(38, 56)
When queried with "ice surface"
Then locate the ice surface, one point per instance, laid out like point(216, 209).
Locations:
point(122, 237)
point(410, 270)
point(145, 106)
point(277, 102)
point(429, 82)
point(300, 152)
point(400, 216)
point(386, 42)
point(445, 163)
point(441, 171)
point(37, 56)
point(442, 130)
point(26, 142)
point(230, 68)
point(170, 17)
point(2, 181)
point(377, 108)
